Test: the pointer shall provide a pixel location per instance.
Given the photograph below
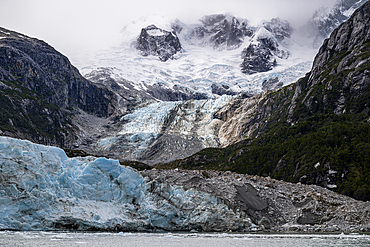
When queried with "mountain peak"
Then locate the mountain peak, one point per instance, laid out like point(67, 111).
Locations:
point(158, 42)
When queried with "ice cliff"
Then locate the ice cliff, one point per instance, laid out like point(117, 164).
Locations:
point(42, 189)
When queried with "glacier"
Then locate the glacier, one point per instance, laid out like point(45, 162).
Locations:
point(164, 131)
point(42, 189)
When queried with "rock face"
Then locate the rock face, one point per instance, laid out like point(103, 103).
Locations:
point(259, 57)
point(221, 32)
point(262, 52)
point(42, 189)
point(222, 90)
point(158, 42)
point(272, 83)
point(40, 68)
point(342, 66)
point(39, 90)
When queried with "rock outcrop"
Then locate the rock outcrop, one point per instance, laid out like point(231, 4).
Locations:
point(222, 90)
point(158, 42)
point(221, 32)
point(262, 52)
point(272, 83)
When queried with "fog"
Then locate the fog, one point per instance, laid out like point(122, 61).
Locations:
point(73, 25)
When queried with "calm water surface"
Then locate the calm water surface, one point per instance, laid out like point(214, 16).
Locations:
point(180, 239)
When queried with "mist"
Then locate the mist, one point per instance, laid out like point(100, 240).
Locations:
point(71, 26)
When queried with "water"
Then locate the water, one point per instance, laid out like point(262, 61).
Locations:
point(180, 239)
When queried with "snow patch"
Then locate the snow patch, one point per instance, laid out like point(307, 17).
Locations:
point(156, 32)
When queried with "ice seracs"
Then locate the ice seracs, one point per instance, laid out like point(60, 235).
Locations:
point(42, 189)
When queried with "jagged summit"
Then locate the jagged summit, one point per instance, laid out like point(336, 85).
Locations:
point(158, 42)
point(210, 55)
point(220, 31)
point(263, 51)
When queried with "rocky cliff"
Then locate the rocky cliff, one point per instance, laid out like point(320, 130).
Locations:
point(264, 49)
point(40, 88)
point(158, 42)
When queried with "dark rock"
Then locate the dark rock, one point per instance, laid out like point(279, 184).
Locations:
point(158, 42)
point(259, 57)
point(222, 90)
point(249, 198)
point(308, 217)
point(261, 54)
point(265, 222)
point(221, 32)
point(272, 83)
point(177, 93)
point(281, 29)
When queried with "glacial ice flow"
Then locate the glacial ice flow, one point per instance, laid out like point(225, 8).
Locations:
point(142, 127)
point(42, 189)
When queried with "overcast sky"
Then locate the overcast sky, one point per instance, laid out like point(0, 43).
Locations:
point(69, 25)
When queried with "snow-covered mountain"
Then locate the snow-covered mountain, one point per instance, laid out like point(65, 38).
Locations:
point(211, 56)
point(220, 51)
